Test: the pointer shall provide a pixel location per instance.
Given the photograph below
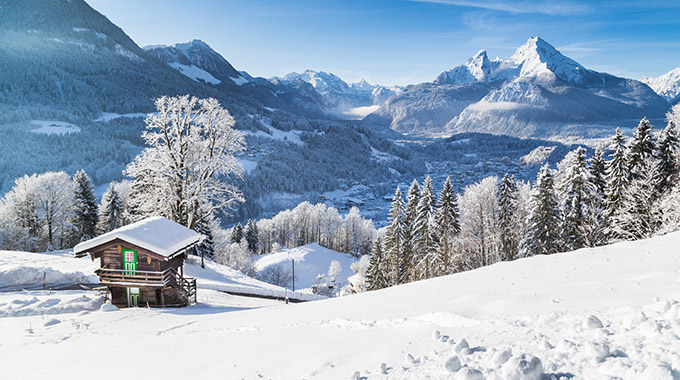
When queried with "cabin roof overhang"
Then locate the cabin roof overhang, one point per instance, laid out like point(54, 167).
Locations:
point(156, 236)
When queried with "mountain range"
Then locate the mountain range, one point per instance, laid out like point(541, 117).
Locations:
point(666, 85)
point(536, 92)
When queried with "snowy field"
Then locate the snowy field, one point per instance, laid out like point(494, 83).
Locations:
point(603, 313)
point(49, 127)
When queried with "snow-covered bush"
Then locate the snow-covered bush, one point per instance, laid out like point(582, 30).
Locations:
point(280, 274)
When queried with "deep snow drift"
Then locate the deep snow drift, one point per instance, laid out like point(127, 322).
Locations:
point(608, 312)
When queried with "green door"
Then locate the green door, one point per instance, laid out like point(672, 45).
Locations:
point(130, 267)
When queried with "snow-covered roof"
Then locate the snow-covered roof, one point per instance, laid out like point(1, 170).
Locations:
point(156, 234)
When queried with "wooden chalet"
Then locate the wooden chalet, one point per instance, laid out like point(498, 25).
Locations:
point(142, 263)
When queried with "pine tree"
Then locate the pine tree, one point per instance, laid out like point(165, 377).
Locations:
point(375, 275)
point(617, 175)
point(636, 218)
point(237, 234)
point(543, 233)
point(447, 224)
point(507, 211)
point(579, 195)
point(251, 235)
point(207, 247)
point(86, 214)
point(422, 234)
point(667, 158)
point(412, 199)
point(397, 269)
point(642, 148)
point(598, 174)
point(110, 211)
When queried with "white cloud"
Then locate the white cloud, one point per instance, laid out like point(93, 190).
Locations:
point(553, 8)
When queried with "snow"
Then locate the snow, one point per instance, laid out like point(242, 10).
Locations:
point(310, 261)
point(356, 113)
point(239, 81)
point(195, 73)
point(248, 165)
point(292, 136)
point(157, 234)
point(666, 85)
point(50, 127)
point(518, 331)
point(537, 156)
point(26, 269)
point(108, 116)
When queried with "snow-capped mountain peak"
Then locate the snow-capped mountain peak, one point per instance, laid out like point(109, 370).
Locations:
point(540, 60)
point(476, 69)
point(666, 85)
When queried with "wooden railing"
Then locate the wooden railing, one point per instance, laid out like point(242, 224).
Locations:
point(170, 276)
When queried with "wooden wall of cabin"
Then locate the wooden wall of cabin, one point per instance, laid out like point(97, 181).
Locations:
point(149, 295)
point(111, 259)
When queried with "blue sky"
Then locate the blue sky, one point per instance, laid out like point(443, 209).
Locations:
point(406, 41)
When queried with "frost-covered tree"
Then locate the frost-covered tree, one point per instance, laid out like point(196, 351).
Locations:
point(111, 210)
point(252, 236)
point(447, 224)
point(667, 157)
point(206, 249)
point(410, 212)
point(42, 207)
point(642, 147)
point(543, 232)
point(509, 238)
point(479, 232)
point(237, 233)
point(637, 218)
point(579, 196)
point(598, 175)
point(668, 212)
point(377, 272)
point(184, 172)
point(86, 214)
point(397, 267)
point(426, 260)
point(618, 174)
point(358, 283)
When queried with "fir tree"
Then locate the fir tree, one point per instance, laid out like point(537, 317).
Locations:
point(447, 224)
point(507, 211)
point(251, 235)
point(412, 199)
point(617, 174)
point(207, 247)
point(86, 214)
point(636, 218)
point(422, 234)
point(642, 148)
point(397, 269)
point(237, 234)
point(375, 275)
point(579, 195)
point(667, 158)
point(543, 230)
point(598, 174)
point(110, 211)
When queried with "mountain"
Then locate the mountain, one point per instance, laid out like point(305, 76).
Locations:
point(666, 85)
point(537, 92)
point(340, 96)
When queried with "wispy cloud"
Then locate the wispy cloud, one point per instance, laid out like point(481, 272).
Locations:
point(553, 8)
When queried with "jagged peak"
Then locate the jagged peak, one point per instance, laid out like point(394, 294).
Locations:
point(541, 60)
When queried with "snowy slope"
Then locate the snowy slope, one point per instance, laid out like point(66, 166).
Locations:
point(310, 261)
point(609, 312)
point(666, 85)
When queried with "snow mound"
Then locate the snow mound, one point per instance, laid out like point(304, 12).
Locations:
point(20, 304)
point(27, 269)
point(310, 261)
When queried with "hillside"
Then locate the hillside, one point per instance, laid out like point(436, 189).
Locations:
point(594, 313)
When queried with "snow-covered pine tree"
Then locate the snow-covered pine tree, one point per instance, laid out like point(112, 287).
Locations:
point(376, 274)
point(507, 213)
point(578, 194)
point(397, 269)
point(86, 214)
point(207, 247)
point(544, 221)
point(618, 176)
point(110, 211)
point(642, 148)
point(447, 224)
point(251, 236)
point(425, 247)
point(667, 157)
point(636, 217)
point(237, 233)
point(183, 172)
point(598, 174)
point(412, 200)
